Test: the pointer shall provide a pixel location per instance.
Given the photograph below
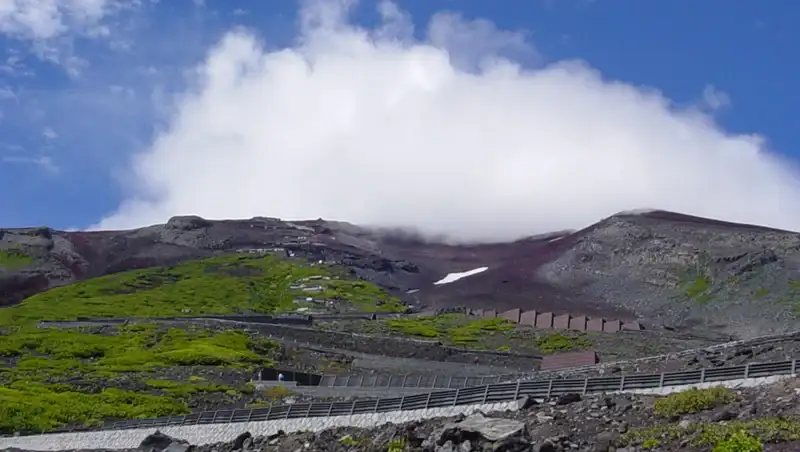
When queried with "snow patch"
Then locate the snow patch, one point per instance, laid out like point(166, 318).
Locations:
point(452, 277)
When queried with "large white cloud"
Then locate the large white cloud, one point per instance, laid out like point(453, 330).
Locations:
point(448, 135)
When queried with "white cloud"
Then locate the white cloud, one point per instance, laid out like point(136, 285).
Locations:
point(49, 134)
point(715, 99)
point(47, 19)
point(50, 25)
point(43, 162)
point(374, 128)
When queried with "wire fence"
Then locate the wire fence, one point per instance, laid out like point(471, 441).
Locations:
point(411, 381)
point(492, 393)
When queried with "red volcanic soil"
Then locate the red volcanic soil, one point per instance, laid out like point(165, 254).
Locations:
point(510, 281)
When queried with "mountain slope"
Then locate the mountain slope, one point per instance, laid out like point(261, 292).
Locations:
point(663, 268)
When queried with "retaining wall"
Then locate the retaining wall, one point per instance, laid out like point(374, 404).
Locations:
point(549, 320)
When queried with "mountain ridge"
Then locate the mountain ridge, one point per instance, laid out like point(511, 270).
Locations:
point(663, 268)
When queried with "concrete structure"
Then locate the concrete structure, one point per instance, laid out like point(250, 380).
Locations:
point(559, 322)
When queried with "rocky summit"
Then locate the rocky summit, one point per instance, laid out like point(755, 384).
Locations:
point(665, 269)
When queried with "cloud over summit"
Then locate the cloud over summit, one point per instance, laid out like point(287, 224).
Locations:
point(449, 134)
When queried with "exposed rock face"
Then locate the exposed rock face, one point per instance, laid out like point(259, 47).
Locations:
point(659, 267)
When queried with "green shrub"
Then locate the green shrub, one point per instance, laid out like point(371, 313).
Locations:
point(740, 441)
point(699, 285)
point(349, 441)
point(40, 408)
point(13, 259)
point(765, 430)
point(692, 401)
point(559, 342)
point(184, 390)
point(396, 445)
point(650, 443)
point(456, 329)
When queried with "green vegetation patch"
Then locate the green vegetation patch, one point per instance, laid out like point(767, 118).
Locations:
point(47, 358)
point(13, 259)
point(457, 329)
point(692, 401)
point(561, 342)
point(219, 285)
point(748, 435)
point(698, 286)
point(44, 353)
point(31, 407)
point(363, 296)
point(184, 390)
point(34, 395)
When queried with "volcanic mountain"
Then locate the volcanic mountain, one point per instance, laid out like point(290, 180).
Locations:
point(665, 269)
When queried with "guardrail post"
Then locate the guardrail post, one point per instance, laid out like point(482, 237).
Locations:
point(516, 391)
point(455, 399)
point(485, 394)
point(747, 371)
point(330, 409)
point(622, 383)
point(405, 377)
point(288, 411)
point(661, 381)
point(550, 387)
point(402, 402)
point(794, 366)
point(585, 385)
point(249, 415)
point(435, 377)
point(213, 418)
point(347, 382)
point(702, 375)
point(428, 401)
point(353, 408)
point(450, 383)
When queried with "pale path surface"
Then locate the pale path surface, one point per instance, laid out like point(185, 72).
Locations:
point(213, 433)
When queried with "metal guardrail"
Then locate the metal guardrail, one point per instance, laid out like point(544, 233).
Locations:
point(493, 393)
point(411, 381)
point(752, 342)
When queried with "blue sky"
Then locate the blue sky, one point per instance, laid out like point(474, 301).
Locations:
point(77, 106)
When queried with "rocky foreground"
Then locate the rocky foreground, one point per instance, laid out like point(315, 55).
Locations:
point(763, 419)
